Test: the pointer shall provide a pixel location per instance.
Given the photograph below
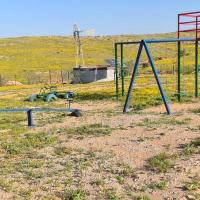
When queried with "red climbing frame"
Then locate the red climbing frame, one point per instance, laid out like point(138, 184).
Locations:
point(189, 23)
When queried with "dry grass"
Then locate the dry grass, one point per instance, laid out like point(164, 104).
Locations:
point(104, 154)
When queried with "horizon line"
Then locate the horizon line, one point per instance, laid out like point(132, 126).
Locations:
point(100, 35)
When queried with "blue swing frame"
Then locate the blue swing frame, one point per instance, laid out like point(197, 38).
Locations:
point(143, 44)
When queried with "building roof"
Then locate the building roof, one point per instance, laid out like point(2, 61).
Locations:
point(105, 67)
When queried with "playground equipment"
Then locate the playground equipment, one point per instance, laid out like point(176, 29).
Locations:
point(178, 77)
point(71, 111)
point(195, 31)
point(29, 111)
point(69, 96)
point(49, 93)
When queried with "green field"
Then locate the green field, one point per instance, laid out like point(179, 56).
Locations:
point(24, 55)
point(28, 56)
point(25, 59)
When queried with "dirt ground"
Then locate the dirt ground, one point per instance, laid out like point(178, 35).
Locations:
point(136, 143)
point(135, 138)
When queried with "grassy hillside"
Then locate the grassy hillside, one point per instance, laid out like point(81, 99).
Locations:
point(26, 54)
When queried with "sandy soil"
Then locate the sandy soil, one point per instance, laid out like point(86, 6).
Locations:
point(4, 195)
point(135, 138)
point(136, 144)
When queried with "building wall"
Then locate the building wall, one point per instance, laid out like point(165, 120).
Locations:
point(87, 75)
point(111, 74)
point(101, 74)
point(84, 76)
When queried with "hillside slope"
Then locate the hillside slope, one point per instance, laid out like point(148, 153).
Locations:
point(26, 54)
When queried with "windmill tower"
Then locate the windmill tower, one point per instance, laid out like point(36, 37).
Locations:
point(79, 47)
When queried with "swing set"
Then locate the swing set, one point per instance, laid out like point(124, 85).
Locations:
point(185, 20)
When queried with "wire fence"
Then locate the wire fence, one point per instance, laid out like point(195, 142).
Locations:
point(50, 77)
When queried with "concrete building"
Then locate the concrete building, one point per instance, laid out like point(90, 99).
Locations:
point(94, 74)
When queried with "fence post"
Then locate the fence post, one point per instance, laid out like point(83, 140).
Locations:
point(15, 80)
point(68, 76)
point(61, 73)
point(30, 118)
point(50, 77)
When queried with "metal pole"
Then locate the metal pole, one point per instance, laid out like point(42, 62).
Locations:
point(116, 72)
point(122, 68)
point(179, 26)
point(196, 69)
point(135, 69)
point(179, 71)
point(30, 118)
point(196, 61)
point(179, 61)
point(164, 98)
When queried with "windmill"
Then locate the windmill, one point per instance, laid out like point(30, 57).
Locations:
point(79, 47)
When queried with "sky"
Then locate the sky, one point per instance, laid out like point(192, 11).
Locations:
point(107, 17)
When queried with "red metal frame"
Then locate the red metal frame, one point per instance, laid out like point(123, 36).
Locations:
point(195, 22)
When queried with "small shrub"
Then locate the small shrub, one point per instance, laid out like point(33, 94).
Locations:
point(5, 185)
point(26, 194)
point(192, 185)
point(188, 150)
point(127, 171)
point(31, 175)
point(159, 185)
point(38, 140)
point(62, 151)
point(196, 111)
point(88, 130)
point(34, 140)
point(78, 194)
point(12, 148)
point(141, 198)
point(160, 163)
point(196, 143)
point(110, 194)
point(120, 179)
point(191, 148)
point(122, 170)
point(98, 182)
